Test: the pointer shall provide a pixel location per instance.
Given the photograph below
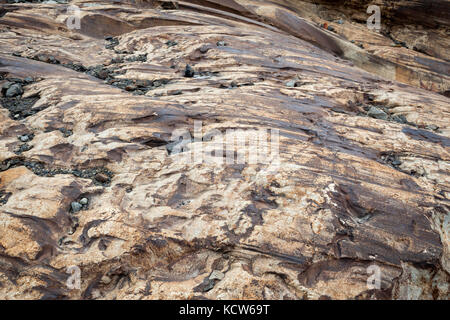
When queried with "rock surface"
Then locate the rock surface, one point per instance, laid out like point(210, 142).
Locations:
point(101, 186)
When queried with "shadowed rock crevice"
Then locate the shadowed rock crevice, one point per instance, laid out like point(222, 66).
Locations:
point(98, 175)
point(223, 150)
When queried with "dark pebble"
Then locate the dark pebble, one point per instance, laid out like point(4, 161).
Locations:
point(101, 177)
point(188, 71)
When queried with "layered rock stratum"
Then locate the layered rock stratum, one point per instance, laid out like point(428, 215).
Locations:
point(89, 176)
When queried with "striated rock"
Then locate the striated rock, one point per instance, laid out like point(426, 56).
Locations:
point(114, 124)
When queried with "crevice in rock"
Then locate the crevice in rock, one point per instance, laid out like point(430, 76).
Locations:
point(393, 160)
point(99, 175)
point(4, 197)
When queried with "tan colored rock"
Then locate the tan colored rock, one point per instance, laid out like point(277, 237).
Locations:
point(350, 192)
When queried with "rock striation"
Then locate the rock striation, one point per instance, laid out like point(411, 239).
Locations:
point(93, 176)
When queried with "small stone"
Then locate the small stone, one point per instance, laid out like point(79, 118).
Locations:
point(14, 90)
point(171, 43)
point(76, 206)
point(432, 127)
point(53, 60)
point(340, 21)
point(376, 113)
point(169, 5)
point(6, 86)
point(399, 118)
point(330, 28)
point(204, 49)
point(24, 138)
point(84, 201)
point(130, 87)
point(116, 60)
point(396, 162)
point(221, 43)
point(102, 74)
point(188, 71)
point(66, 132)
point(101, 177)
point(28, 80)
point(291, 84)
point(216, 275)
point(105, 280)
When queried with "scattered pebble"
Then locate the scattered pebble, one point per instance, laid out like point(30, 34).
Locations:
point(377, 113)
point(75, 66)
point(102, 177)
point(171, 43)
point(291, 84)
point(432, 127)
point(188, 71)
point(38, 168)
point(46, 58)
point(216, 275)
point(105, 280)
point(66, 132)
point(24, 138)
point(23, 148)
point(19, 108)
point(113, 42)
point(140, 57)
point(76, 206)
point(28, 80)
point(400, 118)
point(169, 5)
point(117, 60)
point(14, 91)
point(221, 43)
point(204, 49)
point(4, 196)
point(392, 159)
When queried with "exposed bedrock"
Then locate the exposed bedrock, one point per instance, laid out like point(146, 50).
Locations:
point(98, 126)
